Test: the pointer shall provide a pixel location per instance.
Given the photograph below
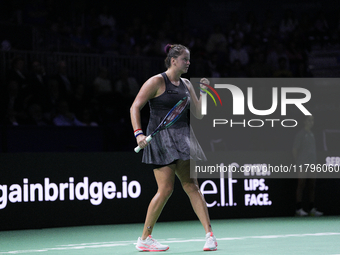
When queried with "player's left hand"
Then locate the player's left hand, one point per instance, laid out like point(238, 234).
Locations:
point(204, 81)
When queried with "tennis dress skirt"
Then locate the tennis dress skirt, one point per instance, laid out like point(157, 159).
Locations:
point(176, 142)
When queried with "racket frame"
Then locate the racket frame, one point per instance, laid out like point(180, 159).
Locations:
point(163, 124)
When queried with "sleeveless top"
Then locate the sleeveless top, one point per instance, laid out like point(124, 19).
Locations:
point(176, 142)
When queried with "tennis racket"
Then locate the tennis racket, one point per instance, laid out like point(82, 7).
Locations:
point(172, 116)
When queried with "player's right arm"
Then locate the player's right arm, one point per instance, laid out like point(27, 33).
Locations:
point(150, 89)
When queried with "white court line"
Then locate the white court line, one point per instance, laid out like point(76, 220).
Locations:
point(170, 240)
point(82, 244)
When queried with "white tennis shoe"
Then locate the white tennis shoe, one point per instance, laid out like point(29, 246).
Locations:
point(315, 212)
point(150, 244)
point(211, 243)
point(301, 212)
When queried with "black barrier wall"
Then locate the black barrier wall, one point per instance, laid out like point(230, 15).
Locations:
point(40, 190)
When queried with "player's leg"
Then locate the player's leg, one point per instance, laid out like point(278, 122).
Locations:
point(311, 190)
point(165, 178)
point(301, 183)
point(191, 187)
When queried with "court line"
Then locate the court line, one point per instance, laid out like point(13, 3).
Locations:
point(170, 240)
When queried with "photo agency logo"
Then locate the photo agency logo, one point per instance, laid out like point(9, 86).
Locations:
point(281, 97)
point(204, 97)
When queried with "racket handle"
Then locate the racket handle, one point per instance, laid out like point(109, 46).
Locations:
point(148, 139)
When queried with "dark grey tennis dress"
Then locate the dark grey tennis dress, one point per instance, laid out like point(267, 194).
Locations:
point(176, 141)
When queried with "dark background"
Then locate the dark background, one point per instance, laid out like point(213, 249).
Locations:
point(46, 31)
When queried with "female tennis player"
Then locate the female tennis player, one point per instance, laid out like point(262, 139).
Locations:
point(169, 151)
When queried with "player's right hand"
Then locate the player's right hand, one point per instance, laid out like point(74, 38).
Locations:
point(141, 141)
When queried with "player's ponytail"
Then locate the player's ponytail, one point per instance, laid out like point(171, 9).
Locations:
point(167, 48)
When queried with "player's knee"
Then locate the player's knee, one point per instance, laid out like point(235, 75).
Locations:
point(166, 191)
point(190, 187)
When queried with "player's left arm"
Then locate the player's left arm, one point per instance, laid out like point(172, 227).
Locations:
point(196, 103)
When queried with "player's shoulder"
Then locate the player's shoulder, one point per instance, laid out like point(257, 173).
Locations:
point(155, 80)
point(187, 82)
point(158, 78)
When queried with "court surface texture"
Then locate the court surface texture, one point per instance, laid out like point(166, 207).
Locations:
point(265, 236)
